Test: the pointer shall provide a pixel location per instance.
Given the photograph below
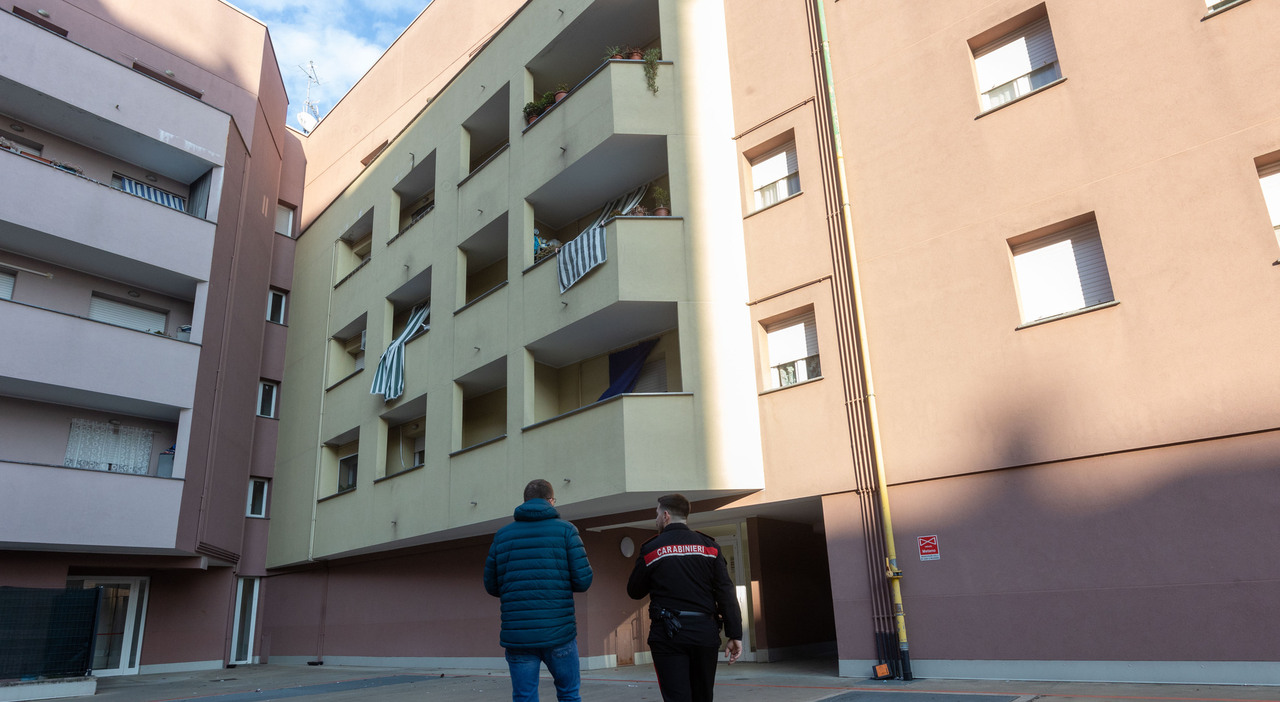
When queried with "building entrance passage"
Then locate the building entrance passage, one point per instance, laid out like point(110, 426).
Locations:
point(121, 616)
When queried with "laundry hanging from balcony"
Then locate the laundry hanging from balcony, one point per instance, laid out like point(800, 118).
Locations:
point(587, 251)
point(155, 195)
point(388, 381)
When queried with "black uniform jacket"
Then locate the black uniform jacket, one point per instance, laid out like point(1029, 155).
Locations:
point(683, 571)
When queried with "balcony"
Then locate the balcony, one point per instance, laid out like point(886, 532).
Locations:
point(51, 508)
point(613, 134)
point(625, 449)
point(480, 329)
point(53, 215)
point(644, 272)
point(107, 106)
point(73, 360)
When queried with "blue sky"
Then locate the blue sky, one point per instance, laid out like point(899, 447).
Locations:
point(342, 37)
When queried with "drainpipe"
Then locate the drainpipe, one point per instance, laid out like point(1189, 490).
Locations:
point(892, 572)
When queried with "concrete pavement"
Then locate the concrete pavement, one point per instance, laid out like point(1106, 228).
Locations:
point(802, 681)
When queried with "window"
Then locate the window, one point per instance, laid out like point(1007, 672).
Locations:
point(1017, 64)
point(775, 176)
point(1061, 272)
point(275, 306)
point(121, 314)
point(6, 285)
point(267, 392)
point(1269, 177)
point(348, 463)
point(284, 220)
point(355, 348)
point(257, 504)
point(108, 446)
point(793, 350)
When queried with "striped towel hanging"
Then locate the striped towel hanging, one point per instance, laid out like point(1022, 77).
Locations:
point(587, 251)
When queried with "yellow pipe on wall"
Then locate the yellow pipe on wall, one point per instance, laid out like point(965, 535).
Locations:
point(882, 487)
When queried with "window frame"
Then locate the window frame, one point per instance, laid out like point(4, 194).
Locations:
point(1030, 281)
point(283, 296)
point(248, 507)
point(352, 471)
point(800, 365)
point(275, 399)
point(1269, 182)
point(791, 163)
point(1025, 26)
point(291, 212)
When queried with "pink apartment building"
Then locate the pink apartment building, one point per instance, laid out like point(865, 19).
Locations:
point(145, 266)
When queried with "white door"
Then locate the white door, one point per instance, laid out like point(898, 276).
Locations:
point(246, 620)
point(121, 619)
point(731, 547)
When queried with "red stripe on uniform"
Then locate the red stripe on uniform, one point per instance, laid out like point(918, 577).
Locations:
point(681, 550)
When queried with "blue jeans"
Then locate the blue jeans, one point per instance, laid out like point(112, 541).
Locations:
point(525, 664)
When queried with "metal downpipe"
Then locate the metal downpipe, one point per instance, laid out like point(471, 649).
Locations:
point(882, 487)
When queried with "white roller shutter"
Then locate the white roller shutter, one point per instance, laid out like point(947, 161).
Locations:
point(774, 166)
point(1062, 272)
point(653, 377)
point(1015, 55)
point(6, 285)
point(103, 310)
point(1270, 180)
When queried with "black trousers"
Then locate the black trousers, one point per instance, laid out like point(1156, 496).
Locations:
point(686, 673)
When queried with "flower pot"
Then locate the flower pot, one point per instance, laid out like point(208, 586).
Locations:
point(530, 119)
point(662, 211)
point(561, 94)
point(636, 55)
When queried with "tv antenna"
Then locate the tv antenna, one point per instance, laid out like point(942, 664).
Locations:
point(310, 115)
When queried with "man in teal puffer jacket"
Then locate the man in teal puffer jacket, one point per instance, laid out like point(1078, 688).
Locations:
point(535, 565)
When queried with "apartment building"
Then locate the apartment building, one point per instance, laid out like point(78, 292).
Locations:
point(145, 266)
point(1033, 299)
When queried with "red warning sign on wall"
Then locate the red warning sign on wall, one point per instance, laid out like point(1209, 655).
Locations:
point(928, 547)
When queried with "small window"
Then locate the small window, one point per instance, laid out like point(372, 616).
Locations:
point(276, 300)
point(793, 350)
point(6, 285)
point(122, 314)
point(1017, 64)
point(1269, 177)
point(775, 176)
point(355, 348)
point(257, 504)
point(284, 220)
point(267, 392)
point(347, 468)
point(1061, 272)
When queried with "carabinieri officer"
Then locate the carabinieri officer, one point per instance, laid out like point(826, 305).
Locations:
point(690, 597)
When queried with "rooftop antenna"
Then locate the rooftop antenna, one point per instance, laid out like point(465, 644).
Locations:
point(310, 115)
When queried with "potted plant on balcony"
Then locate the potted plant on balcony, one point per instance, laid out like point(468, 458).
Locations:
point(635, 53)
point(532, 111)
point(612, 52)
point(562, 91)
point(651, 58)
point(661, 202)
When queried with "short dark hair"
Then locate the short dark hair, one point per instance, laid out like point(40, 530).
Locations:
point(676, 504)
point(539, 489)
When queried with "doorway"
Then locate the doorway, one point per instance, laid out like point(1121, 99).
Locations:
point(121, 619)
point(246, 620)
point(733, 546)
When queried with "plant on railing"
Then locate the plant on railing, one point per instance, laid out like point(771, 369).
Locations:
point(661, 202)
point(651, 58)
point(612, 52)
point(69, 167)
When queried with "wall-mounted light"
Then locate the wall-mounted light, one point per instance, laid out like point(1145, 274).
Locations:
point(113, 422)
point(627, 547)
point(43, 13)
point(134, 293)
point(17, 127)
point(169, 73)
point(151, 178)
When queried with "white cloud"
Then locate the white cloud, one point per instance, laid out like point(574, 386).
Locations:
point(342, 37)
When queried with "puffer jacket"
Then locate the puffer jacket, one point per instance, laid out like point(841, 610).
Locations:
point(535, 565)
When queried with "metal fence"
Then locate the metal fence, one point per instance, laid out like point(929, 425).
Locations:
point(47, 632)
